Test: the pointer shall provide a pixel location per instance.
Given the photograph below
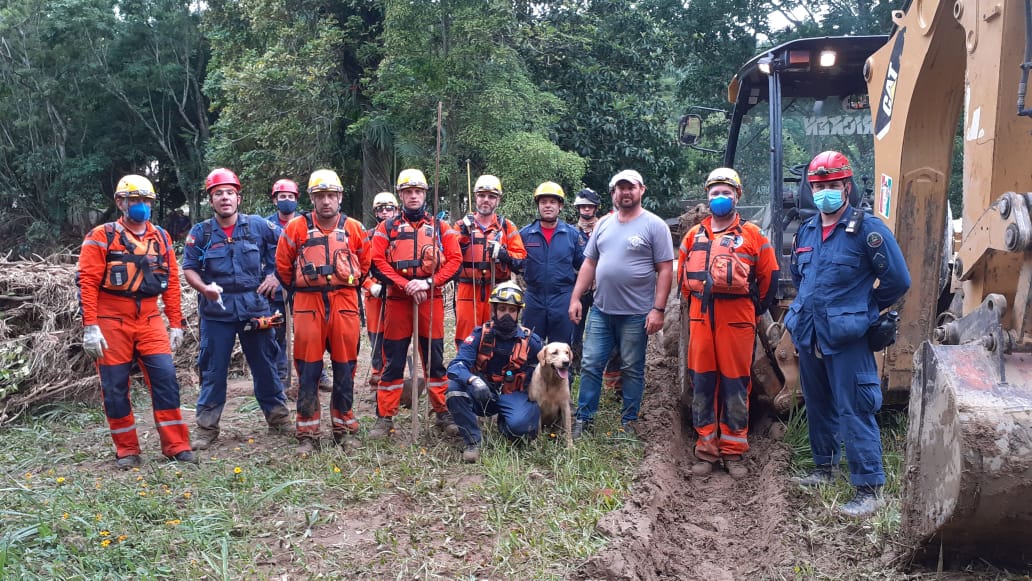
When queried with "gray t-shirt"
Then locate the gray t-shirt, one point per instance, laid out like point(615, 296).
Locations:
point(627, 255)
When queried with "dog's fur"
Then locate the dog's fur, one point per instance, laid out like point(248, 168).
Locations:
point(550, 387)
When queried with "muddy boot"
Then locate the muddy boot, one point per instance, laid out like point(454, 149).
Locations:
point(279, 422)
point(820, 475)
point(702, 468)
point(580, 427)
point(382, 429)
point(630, 428)
point(346, 440)
point(128, 462)
point(291, 391)
point(446, 424)
point(186, 456)
point(471, 455)
point(325, 383)
point(735, 467)
point(307, 446)
point(204, 438)
point(865, 502)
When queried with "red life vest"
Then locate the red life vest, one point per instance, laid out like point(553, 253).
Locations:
point(414, 251)
point(135, 268)
point(714, 268)
point(476, 252)
point(511, 377)
point(326, 261)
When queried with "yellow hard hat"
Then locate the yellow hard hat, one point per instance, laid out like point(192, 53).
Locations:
point(324, 180)
point(384, 199)
point(488, 183)
point(411, 178)
point(550, 189)
point(507, 293)
point(727, 176)
point(133, 185)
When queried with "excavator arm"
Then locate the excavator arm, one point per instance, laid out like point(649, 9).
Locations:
point(968, 485)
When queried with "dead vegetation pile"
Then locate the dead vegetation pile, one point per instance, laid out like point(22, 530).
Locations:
point(41, 356)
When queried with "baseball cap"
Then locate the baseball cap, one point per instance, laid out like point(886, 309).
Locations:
point(626, 175)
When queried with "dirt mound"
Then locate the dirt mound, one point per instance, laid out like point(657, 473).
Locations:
point(677, 526)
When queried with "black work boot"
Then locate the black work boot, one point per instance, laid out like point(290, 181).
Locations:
point(128, 462)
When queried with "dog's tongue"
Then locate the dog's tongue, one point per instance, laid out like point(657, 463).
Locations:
point(563, 373)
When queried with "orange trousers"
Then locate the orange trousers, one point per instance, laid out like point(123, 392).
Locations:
point(719, 359)
point(397, 338)
point(471, 308)
point(138, 332)
point(326, 322)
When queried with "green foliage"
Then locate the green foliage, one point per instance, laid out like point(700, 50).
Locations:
point(464, 55)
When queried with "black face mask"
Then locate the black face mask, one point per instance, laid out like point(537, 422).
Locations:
point(413, 215)
point(505, 326)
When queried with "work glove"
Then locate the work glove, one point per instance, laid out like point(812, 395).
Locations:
point(500, 254)
point(480, 391)
point(216, 288)
point(376, 290)
point(175, 338)
point(263, 323)
point(93, 342)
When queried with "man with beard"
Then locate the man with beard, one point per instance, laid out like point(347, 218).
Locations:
point(230, 260)
point(555, 250)
point(630, 259)
point(491, 250)
point(322, 258)
point(414, 255)
point(491, 373)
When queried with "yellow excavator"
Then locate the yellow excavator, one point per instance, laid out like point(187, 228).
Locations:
point(963, 354)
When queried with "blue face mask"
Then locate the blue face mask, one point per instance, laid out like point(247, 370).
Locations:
point(139, 212)
point(721, 206)
point(828, 201)
point(286, 206)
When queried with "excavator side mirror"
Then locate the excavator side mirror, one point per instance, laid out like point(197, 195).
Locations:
point(689, 130)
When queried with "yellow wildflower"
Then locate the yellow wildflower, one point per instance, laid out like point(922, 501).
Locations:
point(237, 470)
point(28, 476)
point(173, 523)
point(122, 538)
point(105, 533)
point(64, 516)
point(105, 542)
point(186, 494)
point(336, 469)
point(60, 480)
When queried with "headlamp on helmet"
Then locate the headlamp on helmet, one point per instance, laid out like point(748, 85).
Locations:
point(488, 183)
point(411, 178)
point(135, 186)
point(324, 180)
point(726, 176)
point(829, 166)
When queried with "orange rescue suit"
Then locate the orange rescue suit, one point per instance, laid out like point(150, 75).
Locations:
point(325, 268)
point(725, 276)
point(474, 288)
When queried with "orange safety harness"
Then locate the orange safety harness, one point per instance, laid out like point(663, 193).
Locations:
point(326, 262)
point(414, 251)
point(136, 270)
point(715, 270)
point(476, 254)
point(511, 377)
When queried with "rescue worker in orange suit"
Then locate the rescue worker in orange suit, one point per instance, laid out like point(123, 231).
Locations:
point(491, 250)
point(837, 256)
point(414, 255)
point(284, 197)
point(385, 207)
point(322, 258)
point(230, 260)
point(124, 266)
point(491, 373)
point(555, 252)
point(729, 276)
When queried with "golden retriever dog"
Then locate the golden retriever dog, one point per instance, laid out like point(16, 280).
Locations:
point(550, 387)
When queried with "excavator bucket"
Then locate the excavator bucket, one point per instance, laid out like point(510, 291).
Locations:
point(969, 452)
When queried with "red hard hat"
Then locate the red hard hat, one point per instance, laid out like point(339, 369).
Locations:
point(829, 166)
point(220, 177)
point(284, 185)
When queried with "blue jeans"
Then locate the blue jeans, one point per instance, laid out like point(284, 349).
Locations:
point(601, 334)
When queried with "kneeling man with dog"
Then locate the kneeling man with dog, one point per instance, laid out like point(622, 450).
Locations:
point(492, 371)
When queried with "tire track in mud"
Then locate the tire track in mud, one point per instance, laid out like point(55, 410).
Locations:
point(679, 526)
